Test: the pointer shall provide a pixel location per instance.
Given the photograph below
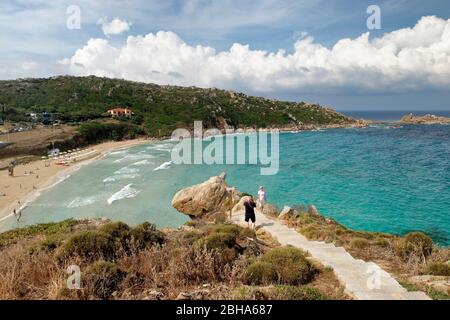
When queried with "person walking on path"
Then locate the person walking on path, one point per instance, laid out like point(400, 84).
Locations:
point(261, 197)
point(249, 206)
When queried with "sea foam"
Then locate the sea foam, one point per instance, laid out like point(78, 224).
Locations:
point(164, 166)
point(125, 193)
point(81, 202)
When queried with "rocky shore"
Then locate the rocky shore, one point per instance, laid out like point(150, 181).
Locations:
point(426, 119)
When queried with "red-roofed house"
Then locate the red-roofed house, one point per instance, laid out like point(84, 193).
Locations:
point(120, 112)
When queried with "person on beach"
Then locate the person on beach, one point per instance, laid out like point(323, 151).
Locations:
point(249, 206)
point(261, 197)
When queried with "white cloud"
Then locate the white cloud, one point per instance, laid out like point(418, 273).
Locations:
point(115, 26)
point(29, 65)
point(406, 59)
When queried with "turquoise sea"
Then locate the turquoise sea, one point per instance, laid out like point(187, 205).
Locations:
point(388, 178)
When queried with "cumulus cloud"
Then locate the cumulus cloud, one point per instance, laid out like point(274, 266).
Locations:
point(115, 26)
point(406, 59)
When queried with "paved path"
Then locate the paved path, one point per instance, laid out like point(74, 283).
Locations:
point(362, 280)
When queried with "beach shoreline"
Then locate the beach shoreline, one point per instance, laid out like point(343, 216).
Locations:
point(22, 189)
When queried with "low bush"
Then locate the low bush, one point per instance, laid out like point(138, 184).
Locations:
point(359, 243)
point(438, 269)
point(296, 293)
point(102, 278)
point(93, 132)
point(190, 237)
point(415, 245)
point(116, 229)
point(231, 229)
point(279, 292)
point(290, 264)
point(381, 242)
point(260, 273)
point(145, 235)
point(12, 236)
point(220, 240)
point(90, 245)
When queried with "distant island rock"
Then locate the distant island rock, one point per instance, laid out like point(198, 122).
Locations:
point(426, 119)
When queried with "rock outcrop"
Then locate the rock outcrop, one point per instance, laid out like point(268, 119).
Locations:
point(286, 212)
point(426, 119)
point(312, 210)
point(209, 198)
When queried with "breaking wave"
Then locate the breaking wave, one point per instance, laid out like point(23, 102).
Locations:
point(125, 193)
point(141, 163)
point(81, 202)
point(164, 166)
point(134, 157)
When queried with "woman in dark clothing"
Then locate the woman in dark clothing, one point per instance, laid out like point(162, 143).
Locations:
point(250, 212)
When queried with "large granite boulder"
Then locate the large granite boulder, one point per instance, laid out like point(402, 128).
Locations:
point(208, 198)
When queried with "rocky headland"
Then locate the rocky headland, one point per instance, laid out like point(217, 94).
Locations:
point(426, 119)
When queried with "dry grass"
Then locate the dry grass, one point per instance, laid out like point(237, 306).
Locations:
point(192, 262)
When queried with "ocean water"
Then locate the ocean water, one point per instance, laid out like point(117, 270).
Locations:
point(386, 178)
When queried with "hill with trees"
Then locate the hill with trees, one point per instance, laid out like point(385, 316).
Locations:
point(159, 109)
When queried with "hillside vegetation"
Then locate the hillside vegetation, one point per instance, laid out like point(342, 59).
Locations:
point(116, 261)
point(160, 109)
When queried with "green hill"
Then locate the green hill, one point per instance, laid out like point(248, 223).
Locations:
point(160, 109)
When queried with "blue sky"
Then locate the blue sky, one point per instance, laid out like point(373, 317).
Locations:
point(198, 48)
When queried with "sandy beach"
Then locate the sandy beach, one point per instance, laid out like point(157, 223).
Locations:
point(31, 179)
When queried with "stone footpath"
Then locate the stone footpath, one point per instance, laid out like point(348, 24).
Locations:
point(362, 280)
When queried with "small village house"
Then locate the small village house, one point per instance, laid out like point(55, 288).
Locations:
point(120, 112)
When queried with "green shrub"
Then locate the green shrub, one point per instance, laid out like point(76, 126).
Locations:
point(195, 223)
point(93, 132)
point(12, 236)
point(231, 229)
point(416, 244)
point(145, 235)
point(116, 229)
point(260, 273)
point(220, 240)
point(103, 278)
point(291, 265)
point(279, 292)
point(51, 242)
point(190, 237)
point(359, 243)
point(438, 269)
point(90, 245)
point(296, 293)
